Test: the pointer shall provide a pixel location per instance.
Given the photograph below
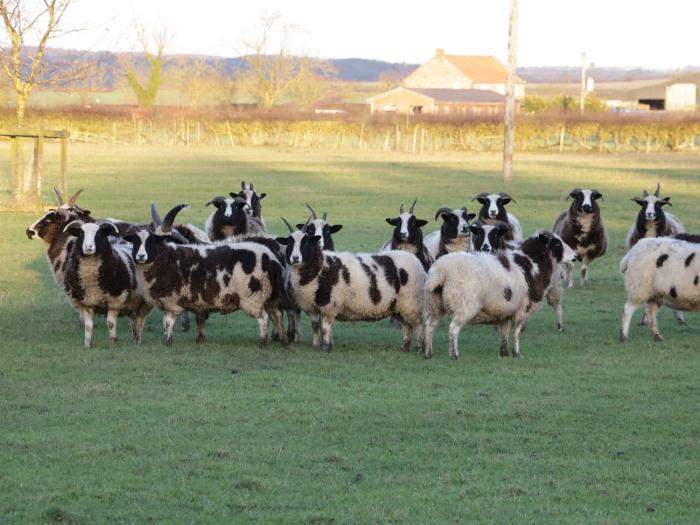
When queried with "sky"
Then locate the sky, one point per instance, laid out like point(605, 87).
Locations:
point(628, 33)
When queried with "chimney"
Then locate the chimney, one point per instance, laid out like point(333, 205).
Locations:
point(439, 53)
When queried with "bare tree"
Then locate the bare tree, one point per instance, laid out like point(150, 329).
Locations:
point(271, 69)
point(312, 84)
point(200, 82)
point(28, 23)
point(147, 90)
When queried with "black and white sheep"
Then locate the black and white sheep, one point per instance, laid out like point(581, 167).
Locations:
point(660, 271)
point(489, 238)
point(252, 199)
point(206, 278)
point(100, 278)
point(493, 208)
point(582, 228)
point(231, 221)
point(322, 228)
point(408, 236)
point(652, 221)
point(453, 235)
point(348, 286)
point(504, 289)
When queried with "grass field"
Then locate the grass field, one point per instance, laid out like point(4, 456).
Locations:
point(581, 430)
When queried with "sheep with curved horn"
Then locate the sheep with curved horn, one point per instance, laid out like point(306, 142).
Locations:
point(232, 220)
point(252, 198)
point(454, 234)
point(493, 210)
point(315, 226)
point(208, 278)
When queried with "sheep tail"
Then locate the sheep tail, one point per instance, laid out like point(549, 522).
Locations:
point(433, 293)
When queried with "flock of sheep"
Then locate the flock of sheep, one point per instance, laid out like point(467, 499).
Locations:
point(476, 269)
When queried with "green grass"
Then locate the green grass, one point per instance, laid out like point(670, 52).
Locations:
point(581, 430)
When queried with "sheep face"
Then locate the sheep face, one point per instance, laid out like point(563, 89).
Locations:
point(561, 251)
point(58, 216)
point(324, 230)
point(651, 206)
point(455, 222)
point(145, 244)
point(300, 247)
point(493, 205)
point(406, 227)
point(92, 237)
point(253, 207)
point(584, 200)
point(226, 209)
point(489, 238)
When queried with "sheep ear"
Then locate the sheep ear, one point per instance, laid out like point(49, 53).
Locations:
point(639, 201)
point(665, 201)
point(421, 222)
point(233, 195)
point(315, 239)
point(544, 238)
point(283, 240)
point(300, 226)
point(262, 196)
point(391, 221)
point(471, 216)
point(335, 228)
point(73, 228)
point(130, 237)
point(596, 195)
point(574, 193)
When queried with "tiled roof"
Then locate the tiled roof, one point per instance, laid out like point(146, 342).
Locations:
point(481, 69)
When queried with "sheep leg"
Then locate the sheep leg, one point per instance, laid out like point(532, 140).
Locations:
point(652, 310)
point(584, 275)
point(87, 323)
point(430, 325)
point(518, 327)
point(168, 324)
point(680, 318)
point(407, 337)
point(263, 325)
point(112, 325)
point(505, 332)
point(296, 318)
point(138, 322)
point(643, 321)
point(185, 321)
point(276, 316)
point(420, 337)
point(569, 272)
point(627, 313)
point(327, 333)
point(455, 327)
point(201, 320)
point(315, 330)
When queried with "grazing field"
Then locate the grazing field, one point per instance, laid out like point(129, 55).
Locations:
point(581, 430)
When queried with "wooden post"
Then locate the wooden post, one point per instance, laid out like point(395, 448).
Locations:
point(230, 133)
point(187, 133)
point(63, 185)
point(15, 167)
point(398, 138)
point(422, 140)
point(415, 138)
point(139, 133)
point(509, 138)
point(114, 132)
point(199, 136)
point(561, 138)
point(362, 132)
point(386, 140)
point(37, 169)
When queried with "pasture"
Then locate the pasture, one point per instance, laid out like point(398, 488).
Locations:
point(581, 430)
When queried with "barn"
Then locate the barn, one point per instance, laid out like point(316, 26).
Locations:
point(450, 84)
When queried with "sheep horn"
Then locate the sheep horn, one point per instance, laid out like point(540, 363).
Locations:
point(401, 209)
point(252, 187)
point(105, 224)
point(313, 213)
point(412, 205)
point(154, 215)
point(645, 193)
point(289, 226)
point(179, 237)
point(658, 188)
point(243, 185)
point(325, 216)
point(504, 195)
point(167, 224)
point(74, 198)
point(443, 210)
point(59, 195)
point(482, 194)
point(76, 222)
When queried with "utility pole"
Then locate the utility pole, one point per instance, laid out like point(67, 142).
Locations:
point(509, 138)
point(582, 97)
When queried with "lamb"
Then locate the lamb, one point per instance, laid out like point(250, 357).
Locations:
point(453, 235)
point(504, 289)
point(218, 277)
point(231, 221)
point(100, 278)
point(581, 227)
point(348, 286)
point(651, 220)
point(660, 270)
point(322, 228)
point(408, 236)
point(493, 209)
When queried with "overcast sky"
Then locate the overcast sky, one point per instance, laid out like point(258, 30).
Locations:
point(643, 33)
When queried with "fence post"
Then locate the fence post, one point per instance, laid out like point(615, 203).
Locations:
point(398, 138)
point(198, 133)
point(362, 132)
point(230, 134)
point(422, 140)
point(561, 139)
point(37, 168)
point(64, 160)
point(386, 140)
point(415, 138)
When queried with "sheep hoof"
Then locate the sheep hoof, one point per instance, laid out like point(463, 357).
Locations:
point(88, 345)
point(657, 337)
point(428, 355)
point(201, 338)
point(275, 336)
point(517, 356)
point(406, 347)
point(113, 341)
point(560, 328)
point(624, 338)
point(454, 356)
point(168, 341)
point(326, 348)
point(284, 340)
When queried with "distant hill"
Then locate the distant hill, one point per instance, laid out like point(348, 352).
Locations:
point(354, 69)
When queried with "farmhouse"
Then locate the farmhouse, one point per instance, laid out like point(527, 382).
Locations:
point(450, 84)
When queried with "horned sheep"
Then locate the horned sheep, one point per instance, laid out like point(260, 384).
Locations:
point(217, 277)
point(231, 221)
point(493, 209)
point(453, 235)
point(408, 236)
point(348, 286)
point(504, 289)
point(581, 227)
